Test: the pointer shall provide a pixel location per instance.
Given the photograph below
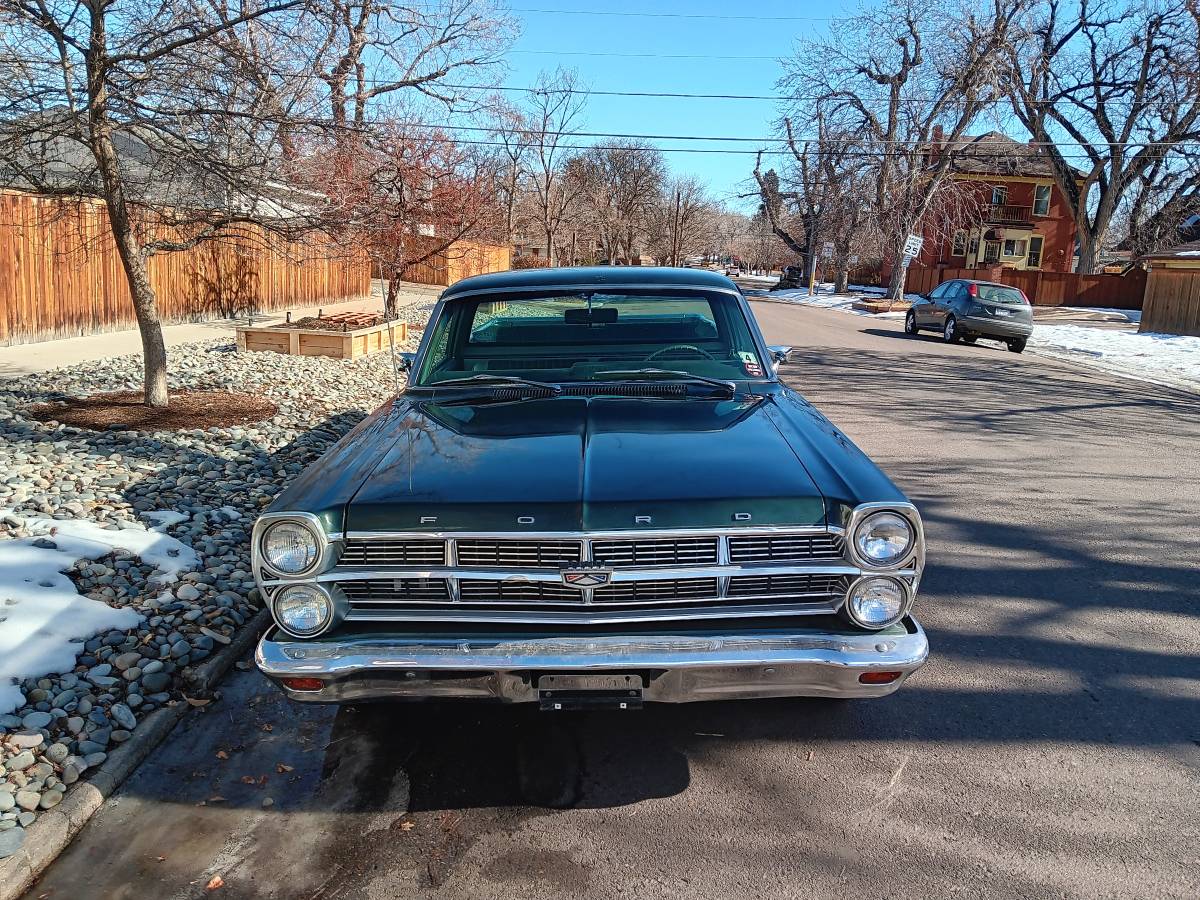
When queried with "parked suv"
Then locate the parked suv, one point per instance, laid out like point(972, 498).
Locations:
point(966, 310)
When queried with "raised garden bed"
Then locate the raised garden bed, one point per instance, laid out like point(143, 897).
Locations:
point(340, 335)
point(881, 306)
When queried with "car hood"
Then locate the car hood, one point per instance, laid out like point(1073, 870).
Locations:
point(585, 464)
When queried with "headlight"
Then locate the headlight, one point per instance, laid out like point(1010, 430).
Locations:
point(876, 602)
point(883, 538)
point(303, 609)
point(290, 547)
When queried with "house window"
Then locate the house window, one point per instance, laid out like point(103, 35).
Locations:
point(991, 252)
point(1035, 253)
point(1000, 196)
point(973, 249)
point(1014, 248)
point(1041, 200)
point(959, 245)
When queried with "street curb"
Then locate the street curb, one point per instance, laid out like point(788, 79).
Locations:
point(51, 834)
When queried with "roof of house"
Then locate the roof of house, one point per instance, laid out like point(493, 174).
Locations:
point(1190, 250)
point(576, 277)
point(994, 153)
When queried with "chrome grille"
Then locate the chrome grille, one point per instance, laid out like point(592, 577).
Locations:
point(783, 585)
point(700, 551)
point(762, 548)
point(393, 553)
point(518, 554)
point(478, 591)
point(773, 572)
point(390, 590)
point(657, 591)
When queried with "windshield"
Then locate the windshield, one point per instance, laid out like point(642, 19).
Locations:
point(569, 337)
point(994, 293)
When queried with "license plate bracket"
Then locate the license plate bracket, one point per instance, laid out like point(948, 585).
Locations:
point(566, 692)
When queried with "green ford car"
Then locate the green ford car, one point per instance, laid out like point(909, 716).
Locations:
point(594, 491)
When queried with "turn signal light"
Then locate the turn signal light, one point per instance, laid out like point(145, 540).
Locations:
point(864, 678)
point(303, 684)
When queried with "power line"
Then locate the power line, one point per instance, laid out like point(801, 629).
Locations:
point(774, 140)
point(641, 55)
point(652, 15)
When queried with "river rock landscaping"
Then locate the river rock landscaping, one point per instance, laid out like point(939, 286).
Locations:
point(124, 555)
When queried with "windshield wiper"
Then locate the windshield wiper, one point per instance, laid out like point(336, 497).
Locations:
point(675, 374)
point(484, 379)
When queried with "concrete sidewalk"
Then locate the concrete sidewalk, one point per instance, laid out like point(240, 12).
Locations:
point(25, 359)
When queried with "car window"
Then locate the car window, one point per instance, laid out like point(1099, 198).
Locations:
point(564, 337)
point(955, 290)
point(995, 293)
point(940, 291)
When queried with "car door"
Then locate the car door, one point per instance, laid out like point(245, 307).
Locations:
point(942, 307)
point(923, 306)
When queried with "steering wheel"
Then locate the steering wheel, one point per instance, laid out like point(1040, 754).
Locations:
point(699, 351)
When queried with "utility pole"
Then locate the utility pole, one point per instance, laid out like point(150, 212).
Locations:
point(675, 242)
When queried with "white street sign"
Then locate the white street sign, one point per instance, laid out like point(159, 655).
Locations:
point(827, 250)
point(912, 245)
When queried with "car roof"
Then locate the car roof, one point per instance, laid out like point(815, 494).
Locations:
point(575, 277)
point(990, 283)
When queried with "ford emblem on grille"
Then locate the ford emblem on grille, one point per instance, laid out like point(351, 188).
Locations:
point(586, 576)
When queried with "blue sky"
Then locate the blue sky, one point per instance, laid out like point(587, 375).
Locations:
point(765, 35)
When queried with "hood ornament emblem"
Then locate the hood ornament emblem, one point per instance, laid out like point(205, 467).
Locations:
point(586, 576)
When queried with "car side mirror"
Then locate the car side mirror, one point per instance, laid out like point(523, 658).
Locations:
point(406, 361)
point(779, 355)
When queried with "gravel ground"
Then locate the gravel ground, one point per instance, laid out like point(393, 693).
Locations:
point(216, 479)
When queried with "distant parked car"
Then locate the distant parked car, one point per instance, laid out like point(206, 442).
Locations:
point(966, 310)
point(731, 271)
point(791, 277)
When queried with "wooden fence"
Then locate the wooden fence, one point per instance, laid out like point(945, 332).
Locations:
point(462, 260)
point(1172, 301)
point(60, 273)
point(1044, 288)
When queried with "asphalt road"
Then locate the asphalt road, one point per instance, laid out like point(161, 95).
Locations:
point(1051, 747)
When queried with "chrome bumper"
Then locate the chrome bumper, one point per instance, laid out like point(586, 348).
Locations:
point(676, 668)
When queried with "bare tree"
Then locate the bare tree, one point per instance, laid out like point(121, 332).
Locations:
point(621, 183)
point(1113, 86)
point(174, 113)
point(682, 222)
point(371, 51)
point(552, 117)
point(406, 195)
point(892, 75)
point(512, 171)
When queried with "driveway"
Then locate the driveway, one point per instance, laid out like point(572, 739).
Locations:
point(1050, 748)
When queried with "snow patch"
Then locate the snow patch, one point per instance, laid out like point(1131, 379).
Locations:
point(43, 620)
point(1160, 358)
point(165, 518)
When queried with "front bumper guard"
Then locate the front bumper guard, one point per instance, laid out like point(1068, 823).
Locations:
point(745, 664)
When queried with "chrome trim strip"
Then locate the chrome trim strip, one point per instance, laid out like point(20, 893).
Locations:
point(553, 576)
point(732, 664)
point(581, 288)
point(595, 614)
point(595, 535)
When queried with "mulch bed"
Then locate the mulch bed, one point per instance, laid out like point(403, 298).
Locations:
point(335, 322)
point(188, 409)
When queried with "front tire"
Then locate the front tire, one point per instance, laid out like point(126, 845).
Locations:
point(950, 332)
point(1016, 345)
point(910, 323)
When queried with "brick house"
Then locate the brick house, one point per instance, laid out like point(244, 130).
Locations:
point(1021, 221)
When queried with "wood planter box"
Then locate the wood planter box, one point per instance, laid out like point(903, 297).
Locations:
point(349, 344)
